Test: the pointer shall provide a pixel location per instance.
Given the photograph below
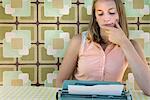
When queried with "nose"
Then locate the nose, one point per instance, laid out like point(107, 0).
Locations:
point(107, 18)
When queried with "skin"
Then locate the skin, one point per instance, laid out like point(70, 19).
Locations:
point(106, 15)
point(112, 33)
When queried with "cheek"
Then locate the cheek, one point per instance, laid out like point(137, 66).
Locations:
point(115, 18)
point(99, 20)
point(99, 23)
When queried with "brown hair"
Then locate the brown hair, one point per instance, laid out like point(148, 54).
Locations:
point(94, 29)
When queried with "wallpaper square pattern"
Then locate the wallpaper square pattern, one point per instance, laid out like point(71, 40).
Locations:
point(34, 34)
point(17, 7)
point(16, 43)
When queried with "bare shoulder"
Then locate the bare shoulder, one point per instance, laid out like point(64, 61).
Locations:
point(76, 40)
point(136, 44)
point(74, 45)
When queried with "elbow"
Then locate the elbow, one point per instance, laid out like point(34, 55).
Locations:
point(59, 83)
point(147, 92)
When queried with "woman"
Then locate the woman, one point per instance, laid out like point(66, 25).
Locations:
point(104, 51)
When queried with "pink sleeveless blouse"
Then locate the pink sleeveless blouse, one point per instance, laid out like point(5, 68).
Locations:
point(96, 64)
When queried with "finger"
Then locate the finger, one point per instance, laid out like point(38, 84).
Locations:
point(117, 25)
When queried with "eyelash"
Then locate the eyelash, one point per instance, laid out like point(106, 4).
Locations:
point(109, 13)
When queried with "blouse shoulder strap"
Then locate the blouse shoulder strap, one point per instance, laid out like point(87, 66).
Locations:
point(84, 36)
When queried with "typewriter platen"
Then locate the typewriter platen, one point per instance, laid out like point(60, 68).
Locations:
point(64, 94)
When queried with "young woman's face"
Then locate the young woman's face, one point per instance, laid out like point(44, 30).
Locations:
point(106, 13)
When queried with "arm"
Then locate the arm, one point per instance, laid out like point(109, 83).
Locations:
point(134, 56)
point(70, 60)
point(139, 67)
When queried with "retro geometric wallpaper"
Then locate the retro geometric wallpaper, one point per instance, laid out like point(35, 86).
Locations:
point(34, 35)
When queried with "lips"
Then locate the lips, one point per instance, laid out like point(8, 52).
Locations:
point(110, 25)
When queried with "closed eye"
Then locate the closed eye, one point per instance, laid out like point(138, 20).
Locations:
point(111, 13)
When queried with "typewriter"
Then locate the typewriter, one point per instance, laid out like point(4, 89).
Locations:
point(64, 93)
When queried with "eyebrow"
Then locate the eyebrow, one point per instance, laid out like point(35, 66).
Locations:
point(108, 9)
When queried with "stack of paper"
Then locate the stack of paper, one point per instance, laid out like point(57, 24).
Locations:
point(96, 89)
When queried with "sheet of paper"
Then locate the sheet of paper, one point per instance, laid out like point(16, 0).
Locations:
point(96, 89)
